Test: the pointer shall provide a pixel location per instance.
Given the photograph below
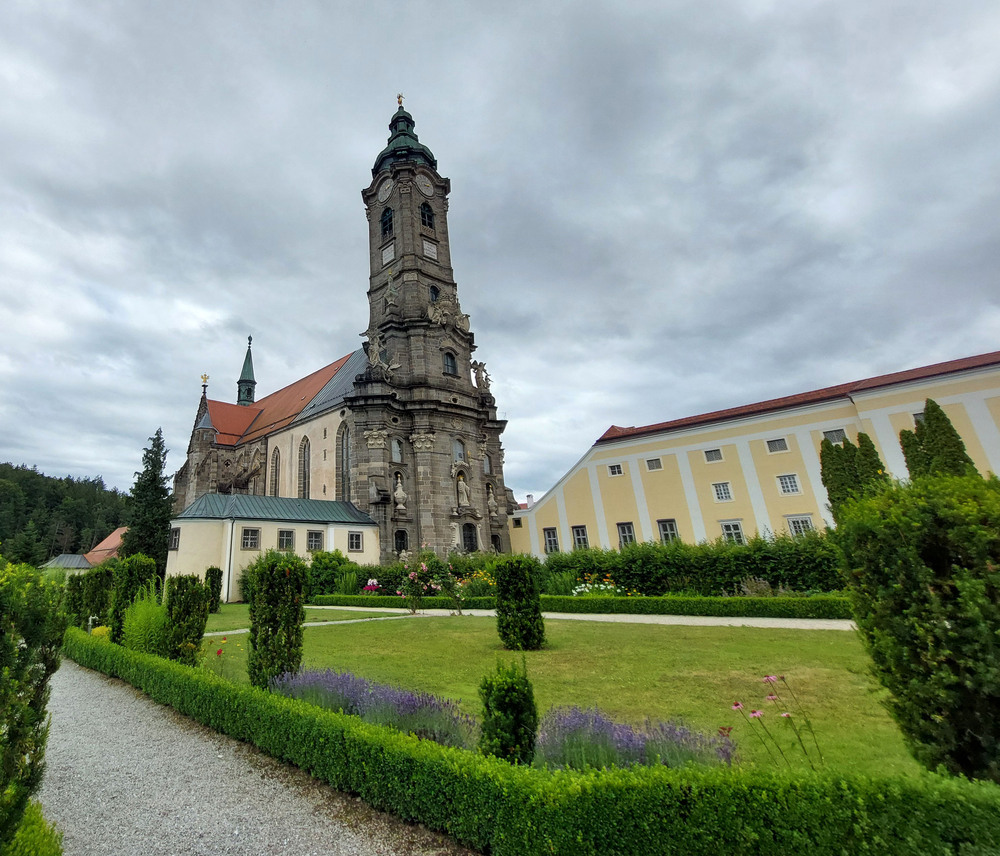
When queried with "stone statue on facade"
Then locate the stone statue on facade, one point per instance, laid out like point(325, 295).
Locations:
point(463, 492)
point(399, 494)
point(491, 502)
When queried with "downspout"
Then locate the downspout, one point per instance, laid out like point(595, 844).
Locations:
point(229, 560)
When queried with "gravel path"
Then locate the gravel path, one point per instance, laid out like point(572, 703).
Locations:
point(126, 776)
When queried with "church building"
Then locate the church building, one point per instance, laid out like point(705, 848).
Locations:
point(400, 437)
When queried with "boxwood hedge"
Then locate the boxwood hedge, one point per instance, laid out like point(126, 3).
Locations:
point(506, 810)
point(821, 606)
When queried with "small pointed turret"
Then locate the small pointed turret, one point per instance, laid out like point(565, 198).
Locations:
point(246, 384)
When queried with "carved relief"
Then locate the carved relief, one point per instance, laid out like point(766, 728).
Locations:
point(423, 442)
point(376, 438)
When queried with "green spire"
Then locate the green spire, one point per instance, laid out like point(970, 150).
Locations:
point(403, 144)
point(244, 395)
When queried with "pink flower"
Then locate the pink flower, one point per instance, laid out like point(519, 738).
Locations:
point(772, 697)
point(413, 575)
point(738, 706)
point(769, 679)
point(218, 653)
point(756, 714)
point(787, 715)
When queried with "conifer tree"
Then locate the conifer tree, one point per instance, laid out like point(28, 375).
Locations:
point(913, 454)
point(869, 466)
point(944, 448)
point(149, 507)
point(838, 472)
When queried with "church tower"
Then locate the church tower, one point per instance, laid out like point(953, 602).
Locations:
point(428, 463)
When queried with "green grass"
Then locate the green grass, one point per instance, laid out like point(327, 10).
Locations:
point(236, 616)
point(632, 671)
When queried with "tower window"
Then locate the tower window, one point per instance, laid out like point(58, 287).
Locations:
point(397, 452)
point(435, 293)
point(426, 216)
point(458, 450)
point(450, 363)
point(386, 222)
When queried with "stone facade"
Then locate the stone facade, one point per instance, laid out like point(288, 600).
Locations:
point(411, 436)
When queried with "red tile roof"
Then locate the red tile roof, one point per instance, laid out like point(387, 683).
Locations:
point(236, 424)
point(829, 393)
point(107, 549)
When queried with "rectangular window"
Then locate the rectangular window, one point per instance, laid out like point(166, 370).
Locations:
point(713, 455)
point(314, 540)
point(918, 417)
point(779, 444)
point(723, 492)
point(251, 539)
point(800, 524)
point(654, 464)
point(732, 530)
point(286, 539)
point(355, 542)
point(580, 541)
point(551, 540)
point(626, 534)
point(614, 469)
point(518, 523)
point(788, 483)
point(668, 531)
point(175, 538)
point(837, 435)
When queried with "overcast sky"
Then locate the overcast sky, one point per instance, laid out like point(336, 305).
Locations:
point(658, 209)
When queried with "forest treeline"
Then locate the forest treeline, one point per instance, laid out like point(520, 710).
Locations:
point(42, 516)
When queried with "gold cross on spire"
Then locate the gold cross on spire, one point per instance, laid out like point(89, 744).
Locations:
point(399, 99)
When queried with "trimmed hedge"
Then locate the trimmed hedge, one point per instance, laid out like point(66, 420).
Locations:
point(507, 810)
point(822, 606)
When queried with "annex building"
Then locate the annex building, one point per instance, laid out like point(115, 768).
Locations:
point(752, 469)
point(388, 448)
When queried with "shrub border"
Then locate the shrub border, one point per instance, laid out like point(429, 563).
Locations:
point(506, 810)
point(821, 606)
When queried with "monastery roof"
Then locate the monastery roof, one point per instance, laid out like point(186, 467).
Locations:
point(816, 396)
point(108, 548)
point(217, 506)
point(235, 424)
point(68, 560)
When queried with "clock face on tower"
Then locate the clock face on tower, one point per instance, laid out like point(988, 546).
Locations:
point(384, 189)
point(424, 185)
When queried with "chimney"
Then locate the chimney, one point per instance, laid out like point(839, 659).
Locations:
point(531, 500)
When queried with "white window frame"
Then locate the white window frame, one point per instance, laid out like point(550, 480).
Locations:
point(288, 536)
point(250, 538)
point(550, 537)
point(313, 536)
point(793, 520)
point(626, 534)
point(355, 542)
point(175, 538)
point(835, 435)
point(722, 491)
point(717, 460)
point(615, 470)
point(654, 464)
point(786, 480)
point(580, 539)
point(668, 530)
point(777, 440)
point(732, 530)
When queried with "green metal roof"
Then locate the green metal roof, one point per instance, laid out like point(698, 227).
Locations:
point(247, 373)
point(403, 145)
point(218, 506)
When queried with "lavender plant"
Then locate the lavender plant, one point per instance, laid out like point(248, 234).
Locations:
point(572, 738)
point(421, 714)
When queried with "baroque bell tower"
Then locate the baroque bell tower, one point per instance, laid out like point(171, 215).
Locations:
point(425, 437)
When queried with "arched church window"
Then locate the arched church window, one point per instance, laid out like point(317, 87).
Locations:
point(458, 450)
point(470, 539)
point(397, 450)
point(435, 293)
point(304, 468)
point(386, 222)
point(450, 363)
point(275, 472)
point(426, 216)
point(344, 464)
point(487, 465)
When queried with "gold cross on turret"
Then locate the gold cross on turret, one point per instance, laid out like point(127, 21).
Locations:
point(399, 99)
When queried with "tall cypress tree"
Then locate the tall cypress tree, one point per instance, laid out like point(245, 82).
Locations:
point(149, 507)
point(869, 466)
point(838, 472)
point(913, 454)
point(944, 448)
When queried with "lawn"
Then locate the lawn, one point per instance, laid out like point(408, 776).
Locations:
point(634, 671)
point(236, 616)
